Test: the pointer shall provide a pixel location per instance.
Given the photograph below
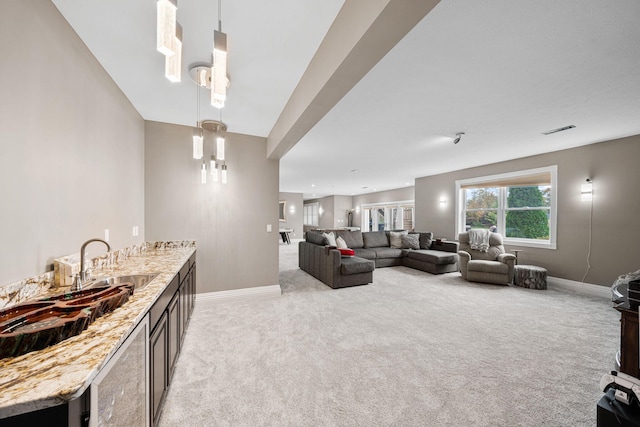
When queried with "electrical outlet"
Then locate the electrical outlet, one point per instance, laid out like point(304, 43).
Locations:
point(134, 231)
point(268, 228)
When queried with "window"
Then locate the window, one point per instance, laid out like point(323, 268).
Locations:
point(519, 205)
point(311, 214)
point(388, 216)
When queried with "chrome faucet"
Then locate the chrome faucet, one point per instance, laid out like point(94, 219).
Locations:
point(84, 276)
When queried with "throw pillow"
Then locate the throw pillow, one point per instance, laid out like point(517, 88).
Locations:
point(395, 238)
point(341, 244)
point(426, 239)
point(331, 238)
point(411, 241)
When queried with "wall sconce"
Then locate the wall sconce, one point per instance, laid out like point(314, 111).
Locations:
point(443, 203)
point(586, 191)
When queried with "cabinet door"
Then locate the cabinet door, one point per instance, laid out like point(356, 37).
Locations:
point(184, 307)
point(158, 367)
point(629, 348)
point(193, 288)
point(174, 331)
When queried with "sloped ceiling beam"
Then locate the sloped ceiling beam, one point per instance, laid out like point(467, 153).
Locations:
point(362, 34)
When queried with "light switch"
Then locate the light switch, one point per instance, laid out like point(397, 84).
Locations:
point(106, 234)
point(268, 228)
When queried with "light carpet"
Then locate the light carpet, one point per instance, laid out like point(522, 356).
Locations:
point(411, 349)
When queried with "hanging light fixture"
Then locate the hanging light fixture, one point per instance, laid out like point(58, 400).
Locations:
point(198, 137)
point(203, 173)
point(166, 26)
point(214, 168)
point(224, 173)
point(219, 129)
point(173, 63)
point(219, 79)
point(169, 38)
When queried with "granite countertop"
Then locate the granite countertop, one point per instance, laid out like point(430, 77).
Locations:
point(62, 372)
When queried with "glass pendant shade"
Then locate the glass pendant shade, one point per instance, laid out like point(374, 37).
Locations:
point(166, 26)
point(173, 63)
point(203, 173)
point(219, 70)
point(198, 143)
point(214, 168)
point(224, 174)
point(220, 147)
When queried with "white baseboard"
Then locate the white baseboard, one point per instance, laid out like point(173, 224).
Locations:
point(244, 294)
point(579, 287)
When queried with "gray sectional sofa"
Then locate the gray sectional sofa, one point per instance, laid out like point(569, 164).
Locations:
point(372, 249)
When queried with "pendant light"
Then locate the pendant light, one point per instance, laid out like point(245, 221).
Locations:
point(224, 174)
point(166, 26)
point(173, 63)
point(214, 168)
point(203, 173)
point(219, 67)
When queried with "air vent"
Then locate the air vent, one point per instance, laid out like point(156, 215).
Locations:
point(549, 132)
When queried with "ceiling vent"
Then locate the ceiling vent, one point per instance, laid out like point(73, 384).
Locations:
point(549, 132)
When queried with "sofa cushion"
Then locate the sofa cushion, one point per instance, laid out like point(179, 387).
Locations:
point(411, 241)
point(340, 243)
point(331, 238)
point(395, 238)
point(353, 239)
point(375, 239)
point(317, 238)
point(356, 265)
point(426, 239)
point(365, 253)
point(384, 253)
point(488, 266)
point(433, 257)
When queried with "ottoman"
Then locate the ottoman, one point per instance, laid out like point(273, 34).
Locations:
point(530, 276)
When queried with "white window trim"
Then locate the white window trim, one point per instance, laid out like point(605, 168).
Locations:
point(553, 213)
point(317, 216)
point(363, 224)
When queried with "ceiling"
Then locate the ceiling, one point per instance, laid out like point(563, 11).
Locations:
point(503, 72)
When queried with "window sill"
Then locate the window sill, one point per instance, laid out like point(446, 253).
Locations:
point(543, 244)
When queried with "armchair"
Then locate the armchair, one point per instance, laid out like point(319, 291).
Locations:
point(494, 266)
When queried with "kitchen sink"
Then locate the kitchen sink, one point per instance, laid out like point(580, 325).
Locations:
point(139, 280)
point(38, 324)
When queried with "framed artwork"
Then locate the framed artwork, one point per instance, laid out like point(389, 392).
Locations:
point(282, 211)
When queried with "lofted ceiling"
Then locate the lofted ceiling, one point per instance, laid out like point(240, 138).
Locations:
point(503, 72)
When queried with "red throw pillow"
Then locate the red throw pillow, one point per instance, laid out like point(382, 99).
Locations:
point(346, 252)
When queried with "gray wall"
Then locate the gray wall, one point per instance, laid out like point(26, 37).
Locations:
point(614, 168)
point(294, 214)
point(227, 221)
point(397, 195)
point(72, 145)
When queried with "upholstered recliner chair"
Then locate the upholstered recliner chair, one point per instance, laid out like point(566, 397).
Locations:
point(493, 266)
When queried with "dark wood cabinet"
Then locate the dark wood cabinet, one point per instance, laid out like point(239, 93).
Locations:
point(629, 363)
point(168, 319)
point(174, 312)
point(158, 349)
